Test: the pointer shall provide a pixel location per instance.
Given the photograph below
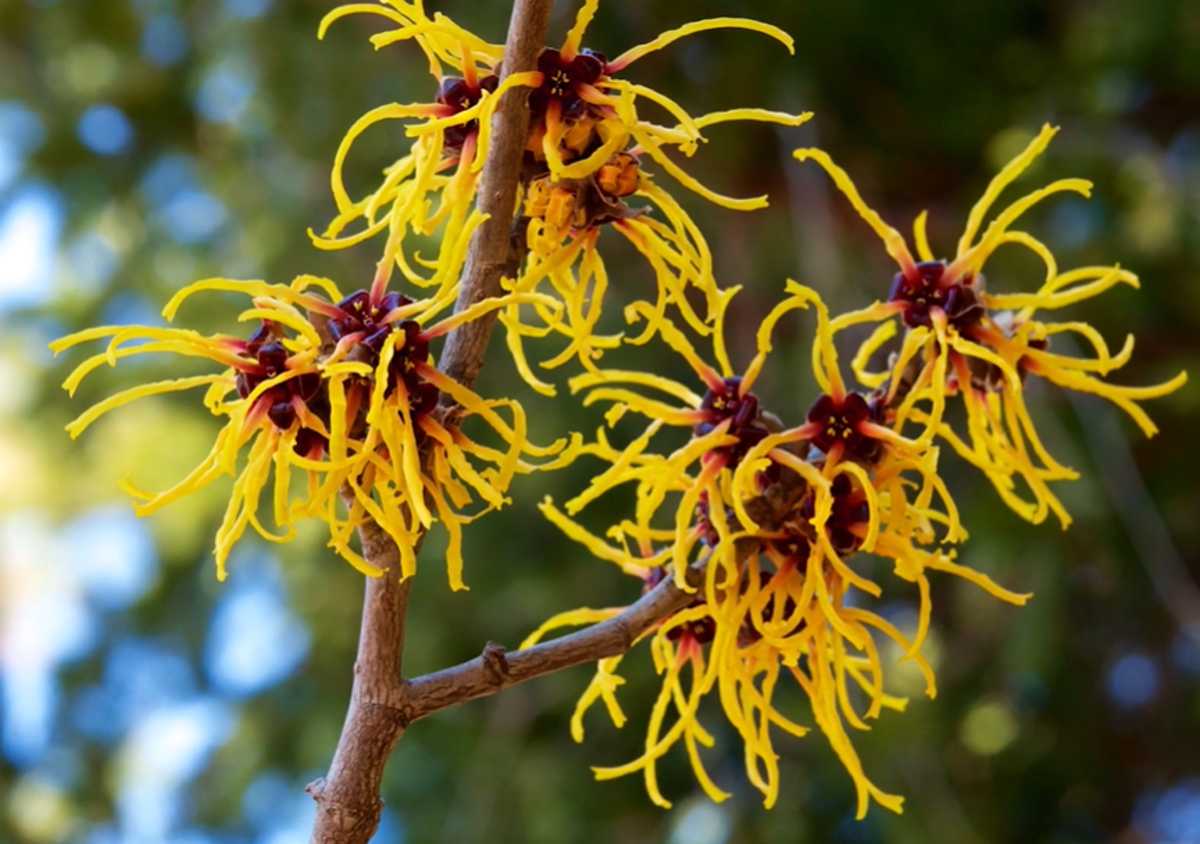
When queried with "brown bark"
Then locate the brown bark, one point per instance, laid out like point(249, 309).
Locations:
point(492, 255)
point(348, 802)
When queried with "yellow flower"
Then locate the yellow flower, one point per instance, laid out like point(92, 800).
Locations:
point(587, 131)
point(962, 340)
point(867, 490)
point(342, 389)
point(784, 613)
point(582, 114)
point(725, 421)
point(565, 219)
point(443, 164)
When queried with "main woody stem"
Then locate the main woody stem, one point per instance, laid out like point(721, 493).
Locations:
point(348, 801)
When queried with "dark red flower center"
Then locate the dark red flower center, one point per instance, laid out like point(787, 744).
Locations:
point(850, 509)
point(360, 316)
point(422, 396)
point(265, 347)
point(922, 290)
point(561, 80)
point(455, 92)
point(702, 630)
point(842, 422)
point(725, 402)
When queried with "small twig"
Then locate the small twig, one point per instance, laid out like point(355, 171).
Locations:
point(496, 669)
point(1144, 524)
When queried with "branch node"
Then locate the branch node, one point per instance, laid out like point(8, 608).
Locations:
point(391, 708)
point(495, 663)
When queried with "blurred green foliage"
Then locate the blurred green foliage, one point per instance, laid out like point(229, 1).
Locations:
point(234, 106)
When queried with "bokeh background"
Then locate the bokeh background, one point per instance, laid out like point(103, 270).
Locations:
point(146, 143)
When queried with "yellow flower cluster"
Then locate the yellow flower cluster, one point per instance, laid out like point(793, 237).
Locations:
point(584, 156)
point(762, 522)
point(777, 577)
point(342, 390)
point(962, 340)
